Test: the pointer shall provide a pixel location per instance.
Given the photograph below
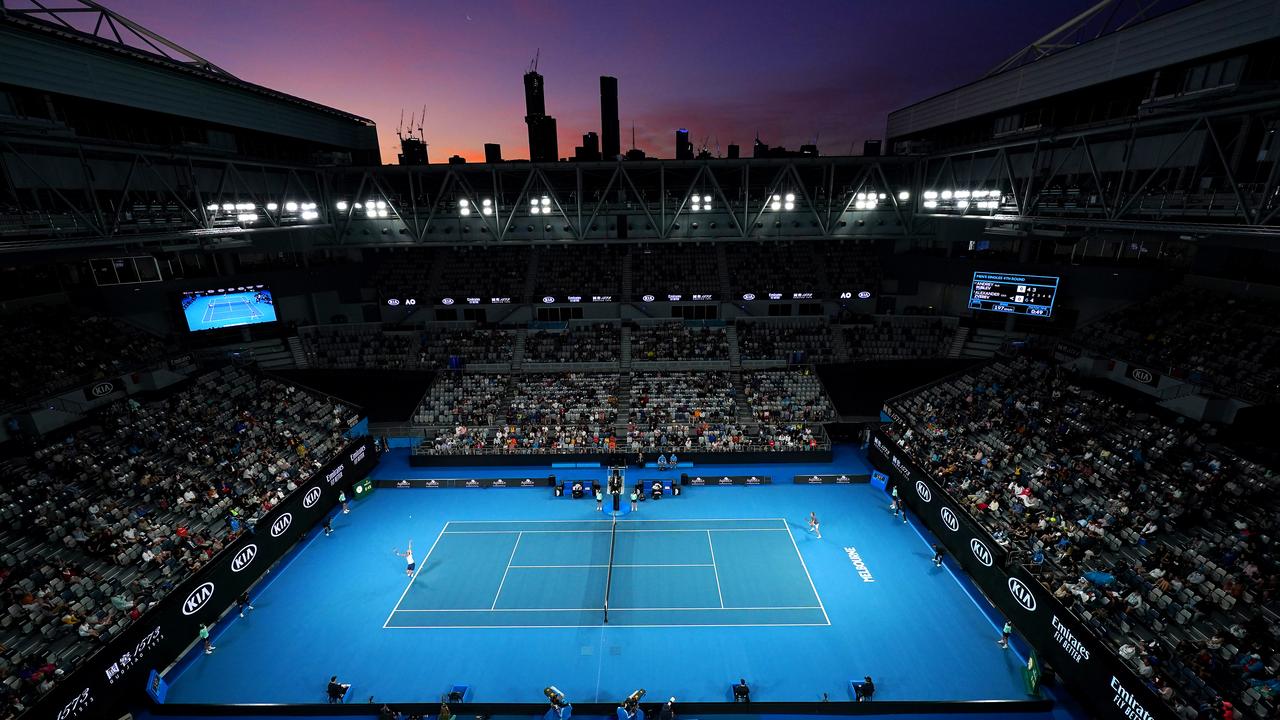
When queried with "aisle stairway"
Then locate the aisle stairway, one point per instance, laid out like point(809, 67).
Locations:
point(957, 343)
point(624, 349)
point(735, 355)
point(299, 353)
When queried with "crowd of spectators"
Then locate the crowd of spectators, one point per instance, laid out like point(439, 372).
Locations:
point(47, 349)
point(785, 396)
point(457, 398)
point(691, 411)
point(795, 342)
point(1227, 342)
point(360, 346)
point(670, 341)
point(898, 339)
point(103, 522)
point(578, 343)
point(458, 347)
point(1159, 538)
point(665, 270)
point(585, 271)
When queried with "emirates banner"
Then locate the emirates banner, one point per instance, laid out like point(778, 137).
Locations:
point(1097, 677)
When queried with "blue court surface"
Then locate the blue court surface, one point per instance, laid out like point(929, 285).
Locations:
point(509, 596)
point(232, 309)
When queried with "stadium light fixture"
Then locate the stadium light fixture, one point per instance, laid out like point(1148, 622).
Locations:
point(904, 196)
point(788, 206)
point(546, 201)
point(342, 205)
point(228, 207)
point(930, 204)
point(464, 211)
point(962, 204)
point(272, 207)
point(246, 217)
point(791, 197)
point(946, 194)
point(930, 194)
point(213, 207)
point(310, 215)
point(291, 206)
point(962, 194)
point(381, 204)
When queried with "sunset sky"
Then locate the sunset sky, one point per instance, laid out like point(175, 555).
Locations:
point(790, 71)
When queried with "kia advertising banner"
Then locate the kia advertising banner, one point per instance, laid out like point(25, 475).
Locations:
point(1142, 375)
point(1096, 675)
point(118, 673)
point(731, 480)
point(103, 388)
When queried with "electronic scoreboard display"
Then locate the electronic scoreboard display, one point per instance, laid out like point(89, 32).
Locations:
point(1012, 293)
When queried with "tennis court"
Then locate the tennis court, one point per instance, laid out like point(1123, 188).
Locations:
point(698, 572)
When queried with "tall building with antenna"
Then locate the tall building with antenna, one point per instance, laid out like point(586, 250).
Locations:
point(543, 146)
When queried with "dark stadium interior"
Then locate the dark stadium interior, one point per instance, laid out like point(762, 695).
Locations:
point(1020, 354)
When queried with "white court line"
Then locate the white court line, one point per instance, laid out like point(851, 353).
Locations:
point(504, 572)
point(611, 609)
point(422, 566)
point(559, 532)
point(712, 546)
point(612, 625)
point(580, 522)
point(806, 574)
point(617, 565)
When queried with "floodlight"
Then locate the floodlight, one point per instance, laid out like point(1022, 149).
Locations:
point(931, 204)
point(291, 206)
point(962, 204)
point(775, 205)
point(464, 202)
point(546, 201)
point(791, 197)
point(789, 206)
point(487, 210)
point(904, 196)
point(946, 194)
point(342, 205)
point(213, 207)
point(930, 194)
point(464, 211)
point(486, 202)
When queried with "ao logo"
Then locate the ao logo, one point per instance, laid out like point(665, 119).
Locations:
point(281, 524)
point(102, 388)
point(197, 599)
point(923, 491)
point(1142, 376)
point(949, 519)
point(981, 552)
point(243, 558)
point(312, 497)
point(1022, 594)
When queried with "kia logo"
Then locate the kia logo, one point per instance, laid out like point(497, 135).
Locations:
point(548, 299)
point(923, 491)
point(102, 388)
point(1142, 376)
point(312, 497)
point(197, 599)
point(1022, 594)
point(647, 298)
point(393, 302)
point(980, 551)
point(244, 557)
point(748, 296)
point(281, 524)
point(949, 519)
point(446, 301)
point(864, 294)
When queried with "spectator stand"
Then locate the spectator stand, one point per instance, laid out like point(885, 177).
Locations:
point(462, 344)
point(688, 344)
point(361, 346)
point(587, 346)
point(108, 520)
point(771, 343)
point(1112, 509)
point(898, 337)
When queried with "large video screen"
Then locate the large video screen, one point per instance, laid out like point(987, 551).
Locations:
point(228, 307)
point(1013, 293)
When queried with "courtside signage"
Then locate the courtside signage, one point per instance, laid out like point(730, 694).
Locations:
point(244, 557)
point(726, 480)
point(843, 479)
point(1022, 594)
point(197, 599)
point(281, 524)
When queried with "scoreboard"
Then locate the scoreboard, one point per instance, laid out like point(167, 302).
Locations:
point(1012, 293)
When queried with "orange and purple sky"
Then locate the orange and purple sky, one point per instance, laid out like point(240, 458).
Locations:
point(790, 71)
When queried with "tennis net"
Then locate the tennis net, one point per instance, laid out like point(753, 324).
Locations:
point(608, 583)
